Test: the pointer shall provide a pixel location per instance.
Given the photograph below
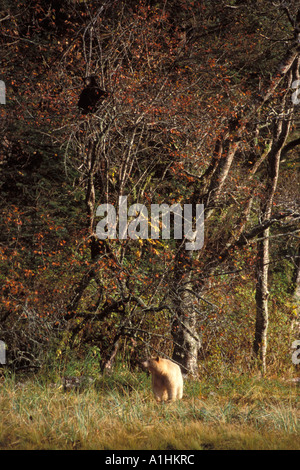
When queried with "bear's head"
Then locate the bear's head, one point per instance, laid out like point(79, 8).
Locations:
point(150, 363)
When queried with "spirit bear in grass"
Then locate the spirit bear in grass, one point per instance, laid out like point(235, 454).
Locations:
point(167, 382)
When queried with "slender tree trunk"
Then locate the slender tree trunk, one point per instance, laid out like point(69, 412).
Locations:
point(295, 326)
point(261, 297)
point(281, 131)
point(262, 267)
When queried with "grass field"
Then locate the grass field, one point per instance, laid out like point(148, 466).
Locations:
point(118, 412)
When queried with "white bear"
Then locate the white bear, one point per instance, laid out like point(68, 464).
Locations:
point(167, 381)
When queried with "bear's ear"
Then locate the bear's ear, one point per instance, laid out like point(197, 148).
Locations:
point(157, 359)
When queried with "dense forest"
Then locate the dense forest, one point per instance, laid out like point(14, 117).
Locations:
point(164, 102)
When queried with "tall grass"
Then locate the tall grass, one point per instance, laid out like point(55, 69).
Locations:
point(119, 412)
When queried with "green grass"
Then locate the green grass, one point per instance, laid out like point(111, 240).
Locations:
point(118, 412)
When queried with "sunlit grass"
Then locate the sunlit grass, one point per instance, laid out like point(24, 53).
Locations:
point(119, 412)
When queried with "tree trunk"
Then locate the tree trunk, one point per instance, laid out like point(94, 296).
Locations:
point(185, 337)
point(295, 327)
point(281, 131)
point(261, 297)
point(184, 331)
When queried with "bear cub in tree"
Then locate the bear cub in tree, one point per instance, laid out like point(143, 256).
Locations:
point(167, 381)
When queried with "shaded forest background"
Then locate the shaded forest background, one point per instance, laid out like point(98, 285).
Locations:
point(201, 107)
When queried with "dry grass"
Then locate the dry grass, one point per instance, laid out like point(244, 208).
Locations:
point(119, 413)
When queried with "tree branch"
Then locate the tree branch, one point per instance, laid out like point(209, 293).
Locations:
point(290, 146)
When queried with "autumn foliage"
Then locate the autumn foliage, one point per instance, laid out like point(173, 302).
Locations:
point(195, 95)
